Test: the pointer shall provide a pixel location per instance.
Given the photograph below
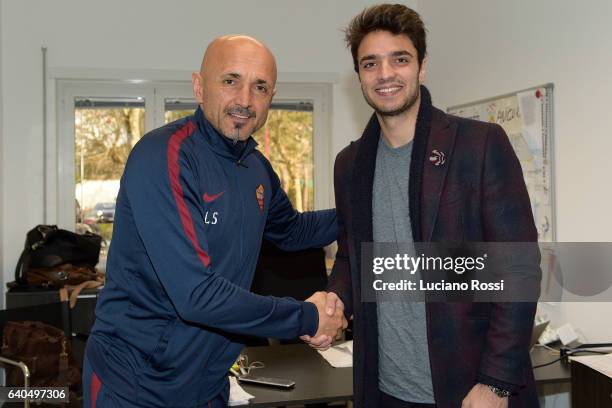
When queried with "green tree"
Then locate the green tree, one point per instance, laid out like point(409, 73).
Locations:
point(286, 140)
point(104, 139)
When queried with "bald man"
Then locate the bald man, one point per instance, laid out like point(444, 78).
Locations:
point(196, 198)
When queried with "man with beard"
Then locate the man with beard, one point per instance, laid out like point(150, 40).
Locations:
point(416, 175)
point(196, 198)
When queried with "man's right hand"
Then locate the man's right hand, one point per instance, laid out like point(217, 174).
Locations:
point(331, 319)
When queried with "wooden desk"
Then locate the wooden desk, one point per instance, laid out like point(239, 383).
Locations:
point(315, 380)
point(590, 388)
point(551, 374)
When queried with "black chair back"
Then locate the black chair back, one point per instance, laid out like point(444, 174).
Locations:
point(281, 273)
point(56, 314)
point(294, 274)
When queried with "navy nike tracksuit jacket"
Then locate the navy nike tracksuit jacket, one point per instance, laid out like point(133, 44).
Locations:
point(190, 216)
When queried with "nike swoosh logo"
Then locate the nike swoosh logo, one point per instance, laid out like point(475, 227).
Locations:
point(210, 198)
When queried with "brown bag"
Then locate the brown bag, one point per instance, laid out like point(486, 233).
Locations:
point(61, 275)
point(45, 350)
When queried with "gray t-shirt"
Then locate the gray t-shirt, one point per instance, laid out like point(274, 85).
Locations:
point(403, 355)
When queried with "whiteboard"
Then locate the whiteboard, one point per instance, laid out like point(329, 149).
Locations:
point(526, 116)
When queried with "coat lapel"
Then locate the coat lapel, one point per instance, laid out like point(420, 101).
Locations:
point(361, 199)
point(438, 155)
point(363, 181)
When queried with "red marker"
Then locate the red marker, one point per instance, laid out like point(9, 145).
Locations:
point(538, 94)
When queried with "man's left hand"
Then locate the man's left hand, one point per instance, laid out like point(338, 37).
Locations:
point(481, 396)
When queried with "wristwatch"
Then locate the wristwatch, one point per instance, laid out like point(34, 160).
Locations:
point(499, 392)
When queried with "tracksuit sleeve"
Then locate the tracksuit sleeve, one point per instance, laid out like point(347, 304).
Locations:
point(163, 196)
point(291, 230)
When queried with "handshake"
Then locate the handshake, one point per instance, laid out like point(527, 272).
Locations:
point(331, 319)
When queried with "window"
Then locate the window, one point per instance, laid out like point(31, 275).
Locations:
point(105, 130)
point(175, 109)
point(286, 140)
point(100, 122)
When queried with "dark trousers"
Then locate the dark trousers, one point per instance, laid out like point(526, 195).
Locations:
point(387, 401)
point(96, 395)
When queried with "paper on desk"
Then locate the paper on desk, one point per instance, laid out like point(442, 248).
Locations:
point(601, 363)
point(340, 355)
point(237, 396)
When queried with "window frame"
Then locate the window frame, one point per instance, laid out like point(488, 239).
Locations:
point(155, 93)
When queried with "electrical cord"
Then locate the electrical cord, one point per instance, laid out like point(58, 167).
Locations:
point(246, 367)
point(552, 349)
point(570, 353)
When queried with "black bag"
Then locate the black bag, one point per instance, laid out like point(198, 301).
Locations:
point(47, 246)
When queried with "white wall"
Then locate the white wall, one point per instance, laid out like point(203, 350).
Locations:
point(148, 35)
point(2, 219)
point(484, 48)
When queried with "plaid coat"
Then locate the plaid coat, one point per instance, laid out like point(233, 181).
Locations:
point(477, 194)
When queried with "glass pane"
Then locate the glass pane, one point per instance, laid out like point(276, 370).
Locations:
point(176, 109)
point(286, 140)
point(105, 132)
point(171, 116)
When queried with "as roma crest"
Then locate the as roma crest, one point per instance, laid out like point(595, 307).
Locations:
point(259, 194)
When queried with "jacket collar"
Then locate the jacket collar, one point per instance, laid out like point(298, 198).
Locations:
point(222, 145)
point(440, 148)
point(365, 163)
